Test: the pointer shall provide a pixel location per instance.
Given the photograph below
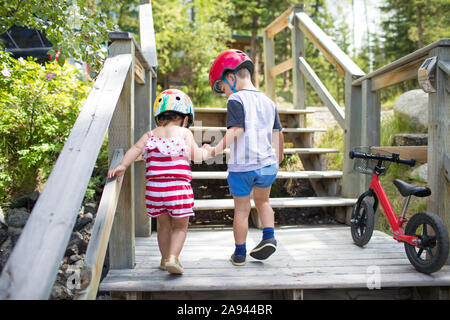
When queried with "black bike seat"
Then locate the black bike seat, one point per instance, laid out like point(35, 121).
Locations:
point(407, 189)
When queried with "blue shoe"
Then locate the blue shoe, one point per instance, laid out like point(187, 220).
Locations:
point(264, 249)
point(237, 260)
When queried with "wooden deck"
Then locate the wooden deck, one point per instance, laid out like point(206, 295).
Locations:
point(307, 258)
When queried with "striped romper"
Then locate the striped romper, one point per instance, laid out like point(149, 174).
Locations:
point(168, 175)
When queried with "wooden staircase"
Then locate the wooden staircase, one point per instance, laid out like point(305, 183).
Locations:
point(210, 126)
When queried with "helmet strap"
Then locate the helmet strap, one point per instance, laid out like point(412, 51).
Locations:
point(232, 87)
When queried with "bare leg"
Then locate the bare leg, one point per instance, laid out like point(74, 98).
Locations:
point(164, 231)
point(240, 223)
point(178, 235)
point(262, 204)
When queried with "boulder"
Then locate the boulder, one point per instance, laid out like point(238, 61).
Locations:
point(414, 105)
point(420, 173)
point(16, 217)
point(411, 139)
point(26, 201)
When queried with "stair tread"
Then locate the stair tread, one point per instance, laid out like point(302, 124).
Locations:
point(302, 130)
point(280, 175)
point(299, 202)
point(224, 110)
point(302, 150)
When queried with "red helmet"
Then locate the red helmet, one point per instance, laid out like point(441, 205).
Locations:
point(229, 60)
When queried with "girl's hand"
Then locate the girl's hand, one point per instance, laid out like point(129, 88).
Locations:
point(118, 171)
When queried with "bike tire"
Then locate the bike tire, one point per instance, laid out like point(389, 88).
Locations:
point(362, 222)
point(436, 246)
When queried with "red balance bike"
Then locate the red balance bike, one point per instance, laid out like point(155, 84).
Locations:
point(425, 236)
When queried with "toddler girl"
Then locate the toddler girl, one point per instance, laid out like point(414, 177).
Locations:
point(167, 151)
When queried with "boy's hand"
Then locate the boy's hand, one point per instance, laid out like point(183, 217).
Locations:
point(208, 148)
point(117, 171)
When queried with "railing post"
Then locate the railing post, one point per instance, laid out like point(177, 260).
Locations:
point(371, 120)
point(351, 181)
point(298, 50)
point(269, 62)
point(121, 135)
point(439, 139)
point(144, 97)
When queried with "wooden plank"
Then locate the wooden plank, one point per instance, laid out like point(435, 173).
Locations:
point(121, 136)
point(290, 130)
point(139, 72)
point(269, 63)
point(327, 46)
point(56, 210)
point(322, 92)
point(439, 140)
point(98, 242)
point(147, 32)
point(282, 67)
point(282, 21)
point(404, 60)
point(418, 153)
point(280, 111)
point(400, 74)
point(298, 51)
point(301, 263)
point(222, 175)
point(303, 202)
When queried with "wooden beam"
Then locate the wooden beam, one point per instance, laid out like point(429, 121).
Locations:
point(298, 80)
point(402, 73)
point(327, 46)
point(418, 153)
point(282, 67)
point(322, 92)
point(269, 63)
point(147, 32)
point(404, 60)
point(32, 267)
point(139, 72)
point(98, 243)
point(281, 22)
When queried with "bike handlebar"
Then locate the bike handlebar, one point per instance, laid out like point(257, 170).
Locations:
point(394, 158)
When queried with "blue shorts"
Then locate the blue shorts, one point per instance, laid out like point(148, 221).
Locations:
point(242, 183)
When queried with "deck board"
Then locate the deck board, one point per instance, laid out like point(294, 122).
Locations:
point(306, 258)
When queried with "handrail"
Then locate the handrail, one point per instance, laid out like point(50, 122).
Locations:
point(33, 265)
point(283, 21)
point(327, 46)
point(406, 65)
point(98, 243)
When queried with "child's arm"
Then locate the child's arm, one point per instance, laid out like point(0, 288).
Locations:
point(278, 144)
point(230, 136)
point(197, 154)
point(130, 156)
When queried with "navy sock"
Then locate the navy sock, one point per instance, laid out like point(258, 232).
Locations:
point(240, 250)
point(268, 233)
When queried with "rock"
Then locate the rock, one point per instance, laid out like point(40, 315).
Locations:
point(411, 139)
point(71, 250)
point(414, 104)
point(2, 218)
point(60, 292)
point(83, 221)
point(14, 234)
point(3, 235)
point(74, 258)
point(16, 217)
point(4, 255)
point(90, 207)
point(420, 173)
point(26, 201)
point(78, 240)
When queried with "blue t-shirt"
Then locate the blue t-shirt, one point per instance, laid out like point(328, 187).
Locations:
point(257, 114)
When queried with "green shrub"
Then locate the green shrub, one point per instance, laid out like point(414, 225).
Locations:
point(38, 107)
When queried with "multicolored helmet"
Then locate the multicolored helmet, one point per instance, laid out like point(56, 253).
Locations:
point(173, 100)
point(229, 60)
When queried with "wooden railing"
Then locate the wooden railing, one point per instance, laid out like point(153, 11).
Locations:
point(362, 115)
point(119, 103)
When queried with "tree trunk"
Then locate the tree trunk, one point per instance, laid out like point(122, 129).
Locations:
point(254, 49)
point(419, 26)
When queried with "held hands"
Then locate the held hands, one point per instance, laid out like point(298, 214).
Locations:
point(117, 171)
point(209, 150)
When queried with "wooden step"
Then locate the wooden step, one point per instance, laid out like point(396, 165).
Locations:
point(287, 130)
point(302, 150)
point(301, 202)
point(280, 111)
point(222, 175)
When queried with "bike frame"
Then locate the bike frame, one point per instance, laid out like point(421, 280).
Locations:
point(395, 222)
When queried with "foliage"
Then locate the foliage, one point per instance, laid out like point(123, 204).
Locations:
point(38, 106)
point(76, 28)
point(189, 36)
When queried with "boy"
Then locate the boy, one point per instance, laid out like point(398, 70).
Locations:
point(253, 164)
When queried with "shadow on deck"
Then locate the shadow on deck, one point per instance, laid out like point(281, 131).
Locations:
point(310, 262)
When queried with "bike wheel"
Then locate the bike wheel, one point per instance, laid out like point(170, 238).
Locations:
point(431, 251)
point(362, 222)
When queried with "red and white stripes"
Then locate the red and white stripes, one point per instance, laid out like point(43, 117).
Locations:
point(168, 189)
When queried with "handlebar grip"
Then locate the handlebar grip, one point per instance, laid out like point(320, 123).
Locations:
point(411, 162)
point(351, 154)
